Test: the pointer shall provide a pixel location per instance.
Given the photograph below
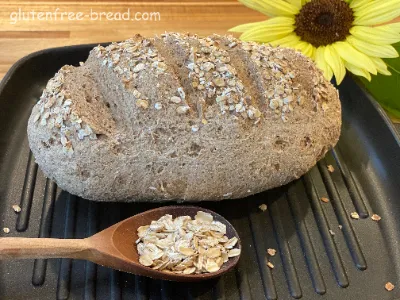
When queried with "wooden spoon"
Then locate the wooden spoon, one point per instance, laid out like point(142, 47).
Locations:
point(115, 246)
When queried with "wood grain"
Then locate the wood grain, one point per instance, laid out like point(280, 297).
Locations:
point(23, 248)
point(27, 36)
point(24, 37)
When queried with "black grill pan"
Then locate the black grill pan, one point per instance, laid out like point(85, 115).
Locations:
point(315, 259)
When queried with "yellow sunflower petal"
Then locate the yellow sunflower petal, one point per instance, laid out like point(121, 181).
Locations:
point(377, 12)
point(354, 4)
point(381, 35)
point(381, 66)
point(335, 62)
point(297, 3)
point(357, 71)
point(313, 50)
point(287, 41)
point(371, 6)
point(354, 57)
point(245, 27)
point(308, 50)
point(266, 33)
point(385, 51)
point(322, 64)
point(394, 26)
point(305, 48)
point(272, 8)
point(283, 21)
point(256, 6)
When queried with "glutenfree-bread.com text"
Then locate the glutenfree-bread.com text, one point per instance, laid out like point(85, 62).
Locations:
point(92, 15)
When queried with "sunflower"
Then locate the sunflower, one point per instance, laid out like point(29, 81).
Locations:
point(336, 34)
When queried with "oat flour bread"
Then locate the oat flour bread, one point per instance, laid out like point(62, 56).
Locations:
point(185, 118)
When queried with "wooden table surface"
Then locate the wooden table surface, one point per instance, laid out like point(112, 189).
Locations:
point(19, 37)
point(27, 36)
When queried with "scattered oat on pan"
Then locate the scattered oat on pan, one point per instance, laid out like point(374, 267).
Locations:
point(185, 246)
point(331, 232)
point(270, 265)
point(16, 208)
point(355, 215)
point(340, 227)
point(331, 168)
point(271, 252)
point(6, 230)
point(263, 207)
point(389, 286)
point(324, 199)
point(376, 217)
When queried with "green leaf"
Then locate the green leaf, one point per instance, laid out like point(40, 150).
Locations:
point(386, 89)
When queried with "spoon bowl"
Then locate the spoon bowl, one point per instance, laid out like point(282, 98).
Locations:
point(115, 246)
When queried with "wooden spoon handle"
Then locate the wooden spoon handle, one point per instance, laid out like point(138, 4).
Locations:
point(18, 248)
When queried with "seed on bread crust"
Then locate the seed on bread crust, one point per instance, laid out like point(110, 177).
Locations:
point(142, 103)
point(176, 99)
point(182, 109)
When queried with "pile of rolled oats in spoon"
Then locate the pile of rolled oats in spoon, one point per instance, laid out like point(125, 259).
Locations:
point(185, 246)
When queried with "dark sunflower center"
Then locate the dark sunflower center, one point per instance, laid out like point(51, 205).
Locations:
point(323, 22)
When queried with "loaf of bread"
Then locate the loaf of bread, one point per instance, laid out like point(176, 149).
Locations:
point(185, 118)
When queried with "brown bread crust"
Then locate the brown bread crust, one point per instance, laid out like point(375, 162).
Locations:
point(178, 117)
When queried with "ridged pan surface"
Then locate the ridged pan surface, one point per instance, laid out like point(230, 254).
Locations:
point(316, 258)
